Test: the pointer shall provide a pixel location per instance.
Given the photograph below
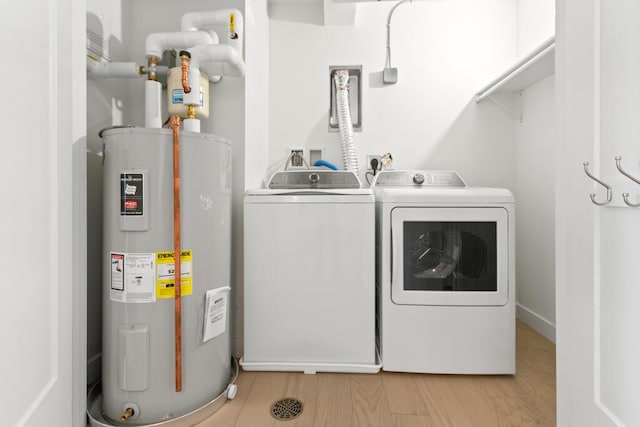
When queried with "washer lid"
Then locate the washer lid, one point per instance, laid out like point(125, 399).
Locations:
point(418, 178)
point(314, 179)
point(338, 197)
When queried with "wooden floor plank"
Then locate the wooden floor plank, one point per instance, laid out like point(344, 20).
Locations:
point(230, 411)
point(441, 401)
point(513, 411)
point(404, 420)
point(268, 387)
point(369, 402)
point(405, 400)
point(474, 402)
point(402, 394)
point(511, 404)
point(304, 388)
point(333, 405)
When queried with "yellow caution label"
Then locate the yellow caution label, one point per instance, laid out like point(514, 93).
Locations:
point(165, 273)
point(232, 22)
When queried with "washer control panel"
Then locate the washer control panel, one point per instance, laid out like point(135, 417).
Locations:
point(311, 178)
point(425, 178)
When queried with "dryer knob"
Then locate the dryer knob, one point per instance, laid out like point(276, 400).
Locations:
point(314, 178)
point(418, 178)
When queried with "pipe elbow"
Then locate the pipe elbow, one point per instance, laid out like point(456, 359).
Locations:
point(215, 60)
point(195, 21)
point(156, 43)
point(190, 21)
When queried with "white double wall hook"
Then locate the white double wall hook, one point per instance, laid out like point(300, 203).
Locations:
point(625, 196)
point(593, 195)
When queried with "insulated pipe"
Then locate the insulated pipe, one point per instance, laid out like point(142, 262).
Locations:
point(177, 282)
point(219, 59)
point(156, 43)
point(105, 70)
point(229, 20)
point(152, 104)
point(191, 124)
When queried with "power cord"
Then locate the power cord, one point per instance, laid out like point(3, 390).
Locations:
point(375, 163)
point(366, 175)
point(375, 166)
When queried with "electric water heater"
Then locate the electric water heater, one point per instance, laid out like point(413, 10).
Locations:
point(138, 358)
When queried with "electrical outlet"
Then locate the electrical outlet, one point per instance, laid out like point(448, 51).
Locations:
point(296, 158)
point(371, 157)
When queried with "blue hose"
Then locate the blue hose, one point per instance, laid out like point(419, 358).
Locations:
point(326, 164)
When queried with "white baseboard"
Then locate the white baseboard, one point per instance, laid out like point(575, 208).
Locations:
point(537, 322)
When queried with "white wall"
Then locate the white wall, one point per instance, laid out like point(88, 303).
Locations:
point(535, 183)
point(536, 23)
point(256, 148)
point(105, 101)
point(535, 213)
point(445, 50)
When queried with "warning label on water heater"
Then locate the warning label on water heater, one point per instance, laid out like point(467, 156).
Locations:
point(165, 271)
point(132, 277)
point(132, 193)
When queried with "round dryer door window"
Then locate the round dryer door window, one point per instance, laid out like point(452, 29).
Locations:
point(450, 256)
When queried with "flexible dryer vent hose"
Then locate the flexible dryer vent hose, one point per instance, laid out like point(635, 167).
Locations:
point(345, 124)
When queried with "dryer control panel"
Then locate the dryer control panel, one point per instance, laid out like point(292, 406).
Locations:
point(419, 178)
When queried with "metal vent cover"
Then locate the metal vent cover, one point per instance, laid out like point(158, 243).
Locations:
point(286, 409)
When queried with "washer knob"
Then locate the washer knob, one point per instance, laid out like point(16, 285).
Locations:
point(314, 178)
point(418, 178)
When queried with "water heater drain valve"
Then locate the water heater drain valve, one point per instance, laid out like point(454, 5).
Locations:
point(131, 412)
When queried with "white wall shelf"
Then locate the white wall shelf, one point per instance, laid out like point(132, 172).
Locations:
point(531, 69)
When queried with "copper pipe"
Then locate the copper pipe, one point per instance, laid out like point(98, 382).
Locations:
point(175, 126)
point(185, 57)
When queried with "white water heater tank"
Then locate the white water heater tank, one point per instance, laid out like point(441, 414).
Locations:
point(138, 359)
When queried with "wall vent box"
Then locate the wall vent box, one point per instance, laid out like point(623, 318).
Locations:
point(355, 97)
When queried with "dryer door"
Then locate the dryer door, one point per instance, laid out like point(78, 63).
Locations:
point(450, 256)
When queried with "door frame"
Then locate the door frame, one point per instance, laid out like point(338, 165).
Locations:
point(578, 281)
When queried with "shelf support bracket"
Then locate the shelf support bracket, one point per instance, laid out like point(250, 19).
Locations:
point(515, 115)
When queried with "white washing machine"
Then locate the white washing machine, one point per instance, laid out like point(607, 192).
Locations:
point(445, 274)
point(309, 274)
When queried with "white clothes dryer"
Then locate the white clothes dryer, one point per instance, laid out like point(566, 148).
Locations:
point(309, 268)
point(445, 278)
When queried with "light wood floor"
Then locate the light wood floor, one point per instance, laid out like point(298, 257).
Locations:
point(395, 399)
